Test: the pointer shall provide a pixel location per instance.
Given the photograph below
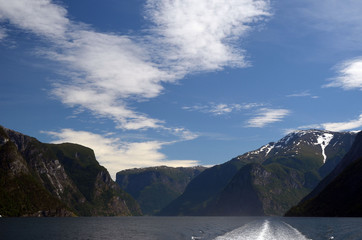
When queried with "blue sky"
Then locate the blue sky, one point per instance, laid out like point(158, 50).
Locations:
point(178, 82)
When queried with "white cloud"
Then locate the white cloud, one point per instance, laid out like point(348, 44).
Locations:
point(344, 126)
point(106, 105)
point(117, 155)
point(302, 94)
point(112, 63)
point(39, 16)
point(266, 116)
point(106, 70)
point(336, 126)
point(349, 75)
point(222, 108)
point(183, 133)
point(339, 27)
point(200, 35)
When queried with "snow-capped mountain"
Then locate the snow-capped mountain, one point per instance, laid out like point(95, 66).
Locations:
point(320, 144)
point(339, 194)
point(266, 181)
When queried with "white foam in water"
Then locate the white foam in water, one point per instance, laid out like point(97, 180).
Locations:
point(264, 230)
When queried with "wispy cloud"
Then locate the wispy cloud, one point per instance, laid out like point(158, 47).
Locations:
point(184, 134)
point(349, 75)
point(267, 116)
point(116, 155)
point(222, 108)
point(343, 126)
point(339, 26)
point(302, 94)
point(105, 73)
point(341, 21)
point(2, 33)
point(348, 125)
point(107, 70)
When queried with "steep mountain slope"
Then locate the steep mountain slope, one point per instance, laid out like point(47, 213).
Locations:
point(202, 189)
point(155, 187)
point(67, 177)
point(279, 176)
point(261, 190)
point(340, 193)
point(354, 153)
point(21, 194)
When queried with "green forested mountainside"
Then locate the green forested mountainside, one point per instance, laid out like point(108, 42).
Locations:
point(273, 177)
point(56, 180)
point(155, 187)
point(340, 193)
point(21, 194)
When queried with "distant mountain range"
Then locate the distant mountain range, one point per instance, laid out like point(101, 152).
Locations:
point(267, 181)
point(340, 193)
point(155, 187)
point(38, 179)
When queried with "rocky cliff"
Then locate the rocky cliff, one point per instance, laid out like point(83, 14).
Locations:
point(40, 179)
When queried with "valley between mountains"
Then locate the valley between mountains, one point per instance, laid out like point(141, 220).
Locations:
point(297, 175)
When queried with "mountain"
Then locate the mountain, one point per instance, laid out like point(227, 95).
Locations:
point(156, 187)
point(267, 181)
point(38, 179)
point(352, 155)
point(340, 193)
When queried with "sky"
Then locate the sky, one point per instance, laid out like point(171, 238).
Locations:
point(178, 82)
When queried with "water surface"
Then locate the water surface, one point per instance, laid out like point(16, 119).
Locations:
point(164, 228)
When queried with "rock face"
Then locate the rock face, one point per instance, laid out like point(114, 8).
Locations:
point(156, 187)
point(40, 179)
point(267, 181)
point(340, 193)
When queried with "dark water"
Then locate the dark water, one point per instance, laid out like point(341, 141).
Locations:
point(162, 228)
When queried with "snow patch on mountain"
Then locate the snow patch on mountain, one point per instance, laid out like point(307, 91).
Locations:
point(269, 148)
point(266, 148)
point(323, 140)
point(298, 141)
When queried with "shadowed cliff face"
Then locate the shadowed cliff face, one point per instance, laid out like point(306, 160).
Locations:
point(66, 175)
point(240, 197)
point(267, 181)
point(155, 187)
point(260, 190)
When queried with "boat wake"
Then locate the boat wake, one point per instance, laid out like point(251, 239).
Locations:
point(264, 230)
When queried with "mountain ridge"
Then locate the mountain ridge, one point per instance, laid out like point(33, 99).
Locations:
point(340, 193)
point(67, 175)
point(308, 154)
